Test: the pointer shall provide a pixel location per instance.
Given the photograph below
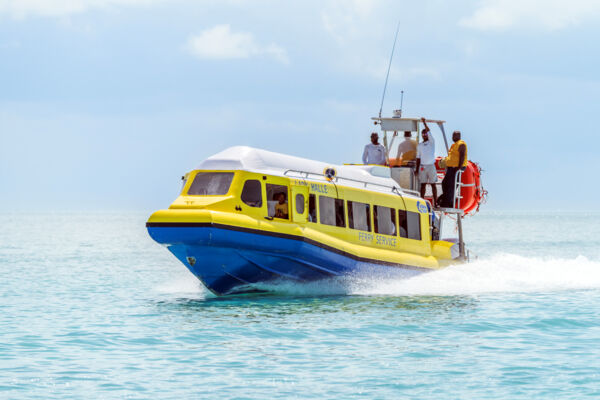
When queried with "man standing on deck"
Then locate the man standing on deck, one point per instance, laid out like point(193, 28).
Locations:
point(374, 152)
point(457, 159)
point(426, 162)
point(407, 149)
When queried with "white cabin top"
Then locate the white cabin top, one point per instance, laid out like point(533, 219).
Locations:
point(370, 177)
point(402, 124)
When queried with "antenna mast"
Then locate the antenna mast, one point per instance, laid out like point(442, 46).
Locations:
point(401, 99)
point(388, 70)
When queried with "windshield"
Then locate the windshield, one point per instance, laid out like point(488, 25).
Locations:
point(211, 183)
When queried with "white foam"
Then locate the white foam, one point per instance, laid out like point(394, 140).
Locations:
point(499, 273)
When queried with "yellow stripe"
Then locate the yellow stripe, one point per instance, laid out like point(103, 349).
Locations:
point(394, 249)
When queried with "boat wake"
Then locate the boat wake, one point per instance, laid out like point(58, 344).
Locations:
point(499, 273)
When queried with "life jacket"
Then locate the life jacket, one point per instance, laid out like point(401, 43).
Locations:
point(454, 156)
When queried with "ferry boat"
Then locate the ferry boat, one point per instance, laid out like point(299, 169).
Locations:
point(246, 217)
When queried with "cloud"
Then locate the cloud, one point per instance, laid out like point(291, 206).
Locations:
point(20, 9)
point(548, 15)
point(347, 19)
point(220, 43)
point(362, 33)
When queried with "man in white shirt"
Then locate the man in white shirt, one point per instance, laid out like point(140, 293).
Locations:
point(374, 152)
point(426, 162)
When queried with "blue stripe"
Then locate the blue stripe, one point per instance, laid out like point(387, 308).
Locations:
point(232, 260)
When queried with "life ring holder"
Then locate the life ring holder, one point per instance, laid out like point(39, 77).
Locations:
point(329, 173)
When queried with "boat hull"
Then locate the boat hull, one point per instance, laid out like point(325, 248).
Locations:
point(231, 260)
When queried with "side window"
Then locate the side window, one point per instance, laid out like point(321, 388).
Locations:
point(277, 201)
point(332, 211)
point(410, 224)
point(385, 220)
point(359, 216)
point(312, 208)
point(300, 203)
point(402, 223)
point(414, 225)
point(252, 193)
point(326, 210)
point(340, 214)
point(210, 183)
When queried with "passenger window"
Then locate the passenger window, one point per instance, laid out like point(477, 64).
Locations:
point(410, 224)
point(210, 183)
point(277, 201)
point(252, 193)
point(385, 220)
point(359, 216)
point(312, 208)
point(340, 213)
point(414, 225)
point(332, 211)
point(300, 203)
point(402, 223)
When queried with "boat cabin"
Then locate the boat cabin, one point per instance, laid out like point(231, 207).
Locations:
point(353, 203)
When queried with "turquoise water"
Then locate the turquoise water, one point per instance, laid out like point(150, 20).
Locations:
point(92, 308)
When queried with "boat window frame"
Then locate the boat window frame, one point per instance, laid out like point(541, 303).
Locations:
point(349, 208)
point(299, 203)
point(201, 173)
point(313, 197)
point(336, 204)
point(260, 190)
point(407, 226)
point(394, 220)
point(287, 198)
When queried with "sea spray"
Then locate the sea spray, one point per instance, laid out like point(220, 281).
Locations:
point(499, 273)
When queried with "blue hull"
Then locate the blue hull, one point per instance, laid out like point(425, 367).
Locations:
point(232, 260)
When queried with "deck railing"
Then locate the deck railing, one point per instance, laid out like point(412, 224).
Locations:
point(315, 176)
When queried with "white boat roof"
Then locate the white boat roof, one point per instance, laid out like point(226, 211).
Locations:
point(371, 177)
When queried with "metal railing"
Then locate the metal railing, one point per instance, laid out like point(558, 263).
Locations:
point(458, 185)
point(306, 174)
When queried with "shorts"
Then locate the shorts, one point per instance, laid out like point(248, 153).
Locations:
point(427, 174)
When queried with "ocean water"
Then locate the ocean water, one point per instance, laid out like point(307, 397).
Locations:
point(91, 307)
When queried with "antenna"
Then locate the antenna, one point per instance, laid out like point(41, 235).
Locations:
point(401, 99)
point(388, 70)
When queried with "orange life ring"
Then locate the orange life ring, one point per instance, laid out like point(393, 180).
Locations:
point(471, 196)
